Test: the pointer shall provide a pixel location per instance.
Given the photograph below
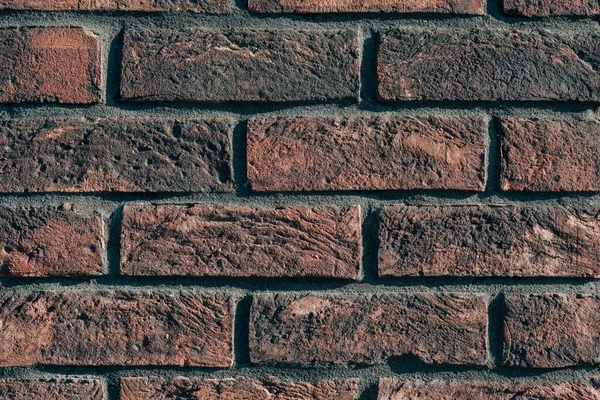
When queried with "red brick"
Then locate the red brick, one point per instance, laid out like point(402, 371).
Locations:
point(489, 241)
point(218, 240)
point(318, 154)
point(115, 328)
point(546, 8)
point(113, 155)
point(56, 389)
point(49, 241)
point(394, 6)
point(551, 330)
point(199, 6)
point(240, 66)
point(550, 156)
point(49, 65)
point(305, 330)
point(236, 388)
point(472, 65)
point(392, 389)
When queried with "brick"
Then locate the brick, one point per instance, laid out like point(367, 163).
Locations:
point(305, 330)
point(489, 241)
point(115, 328)
point(472, 65)
point(112, 155)
point(546, 8)
point(236, 388)
point(393, 389)
point(227, 240)
point(56, 389)
point(395, 6)
point(550, 156)
point(551, 330)
point(199, 6)
point(49, 241)
point(240, 66)
point(50, 65)
point(319, 154)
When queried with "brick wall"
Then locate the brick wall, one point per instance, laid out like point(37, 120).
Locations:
point(288, 199)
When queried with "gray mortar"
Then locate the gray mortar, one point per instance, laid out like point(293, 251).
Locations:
point(109, 25)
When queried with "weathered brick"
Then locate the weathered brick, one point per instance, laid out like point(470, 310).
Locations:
point(305, 154)
point(438, 329)
point(550, 156)
point(551, 330)
point(489, 241)
point(471, 65)
point(56, 389)
point(240, 66)
point(49, 241)
point(546, 8)
point(236, 388)
point(105, 155)
point(393, 389)
point(115, 328)
point(394, 6)
point(49, 65)
point(218, 240)
point(199, 6)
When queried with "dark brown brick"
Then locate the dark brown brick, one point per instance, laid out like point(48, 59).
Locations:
point(56, 389)
point(49, 65)
point(489, 241)
point(236, 388)
point(115, 328)
point(49, 241)
point(112, 155)
point(240, 66)
point(241, 241)
point(438, 329)
point(317, 154)
point(392, 389)
point(486, 65)
point(551, 330)
point(546, 8)
point(394, 6)
point(550, 156)
point(199, 6)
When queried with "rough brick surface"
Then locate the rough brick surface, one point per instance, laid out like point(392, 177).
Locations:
point(392, 389)
point(305, 154)
point(545, 8)
point(482, 65)
point(438, 329)
point(241, 241)
point(236, 388)
point(489, 241)
point(115, 328)
point(240, 66)
point(49, 241)
point(550, 156)
point(395, 6)
point(105, 155)
point(551, 330)
point(209, 6)
point(49, 65)
point(60, 389)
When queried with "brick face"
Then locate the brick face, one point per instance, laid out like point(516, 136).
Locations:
point(545, 8)
point(438, 329)
point(96, 328)
point(241, 241)
point(60, 389)
point(236, 388)
point(320, 154)
point(209, 6)
point(395, 6)
point(489, 241)
point(49, 65)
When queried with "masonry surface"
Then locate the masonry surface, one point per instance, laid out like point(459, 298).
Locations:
point(287, 199)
